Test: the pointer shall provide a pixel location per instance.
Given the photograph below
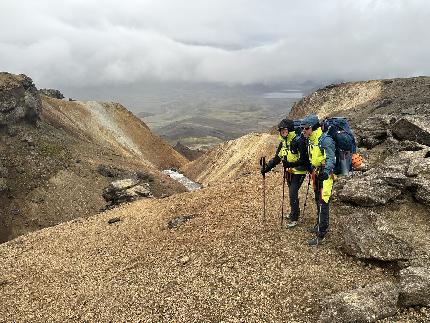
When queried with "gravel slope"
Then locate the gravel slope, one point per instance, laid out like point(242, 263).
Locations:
point(222, 265)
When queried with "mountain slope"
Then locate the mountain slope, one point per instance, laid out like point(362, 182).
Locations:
point(54, 156)
point(232, 159)
point(222, 265)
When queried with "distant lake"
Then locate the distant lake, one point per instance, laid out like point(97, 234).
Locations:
point(287, 94)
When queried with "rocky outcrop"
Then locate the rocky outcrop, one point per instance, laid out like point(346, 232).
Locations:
point(19, 100)
point(413, 128)
point(372, 131)
point(56, 94)
point(407, 172)
point(415, 286)
point(367, 304)
point(365, 239)
point(126, 190)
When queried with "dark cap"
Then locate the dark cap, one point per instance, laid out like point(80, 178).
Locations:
point(310, 121)
point(286, 124)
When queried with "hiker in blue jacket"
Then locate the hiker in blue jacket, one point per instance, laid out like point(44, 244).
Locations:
point(321, 151)
point(292, 151)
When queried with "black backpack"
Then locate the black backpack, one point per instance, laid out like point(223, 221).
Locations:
point(339, 130)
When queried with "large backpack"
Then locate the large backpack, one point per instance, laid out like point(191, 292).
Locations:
point(339, 130)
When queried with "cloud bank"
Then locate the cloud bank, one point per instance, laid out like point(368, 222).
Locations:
point(80, 43)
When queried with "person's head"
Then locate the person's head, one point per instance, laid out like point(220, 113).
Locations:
point(285, 127)
point(309, 124)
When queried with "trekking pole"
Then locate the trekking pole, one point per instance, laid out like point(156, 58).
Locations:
point(263, 165)
point(283, 196)
point(307, 191)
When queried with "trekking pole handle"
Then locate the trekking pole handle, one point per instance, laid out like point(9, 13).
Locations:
point(263, 164)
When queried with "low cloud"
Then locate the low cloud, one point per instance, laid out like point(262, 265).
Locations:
point(82, 43)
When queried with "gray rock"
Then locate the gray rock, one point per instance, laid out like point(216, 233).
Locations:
point(367, 304)
point(418, 166)
point(19, 100)
point(413, 128)
point(178, 221)
point(373, 131)
point(125, 190)
point(414, 286)
point(422, 193)
point(368, 191)
point(56, 94)
point(363, 239)
point(123, 184)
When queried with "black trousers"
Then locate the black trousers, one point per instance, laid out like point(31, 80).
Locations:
point(322, 211)
point(294, 182)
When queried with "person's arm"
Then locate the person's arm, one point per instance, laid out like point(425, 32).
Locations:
point(275, 160)
point(328, 147)
point(300, 146)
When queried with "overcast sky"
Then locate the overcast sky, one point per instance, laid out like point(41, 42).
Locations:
point(94, 42)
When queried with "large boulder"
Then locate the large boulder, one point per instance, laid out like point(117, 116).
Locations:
point(367, 304)
point(126, 190)
point(415, 286)
point(406, 173)
point(368, 190)
point(363, 238)
point(372, 131)
point(19, 99)
point(414, 128)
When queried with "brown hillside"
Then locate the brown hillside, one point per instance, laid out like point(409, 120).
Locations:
point(53, 153)
point(231, 159)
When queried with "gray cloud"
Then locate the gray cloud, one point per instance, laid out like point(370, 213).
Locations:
point(81, 43)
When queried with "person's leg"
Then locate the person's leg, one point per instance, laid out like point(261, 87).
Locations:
point(323, 218)
point(294, 187)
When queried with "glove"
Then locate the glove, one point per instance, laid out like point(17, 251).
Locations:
point(264, 169)
point(286, 163)
point(322, 176)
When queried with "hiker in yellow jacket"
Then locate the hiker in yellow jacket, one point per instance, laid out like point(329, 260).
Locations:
point(292, 151)
point(321, 151)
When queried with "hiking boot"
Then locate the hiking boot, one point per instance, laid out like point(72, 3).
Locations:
point(292, 224)
point(316, 241)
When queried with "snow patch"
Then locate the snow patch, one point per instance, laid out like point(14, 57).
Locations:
point(189, 184)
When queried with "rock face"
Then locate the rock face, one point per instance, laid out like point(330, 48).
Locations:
point(19, 99)
point(414, 128)
point(415, 286)
point(362, 305)
point(363, 238)
point(126, 190)
point(405, 173)
point(56, 94)
point(372, 131)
